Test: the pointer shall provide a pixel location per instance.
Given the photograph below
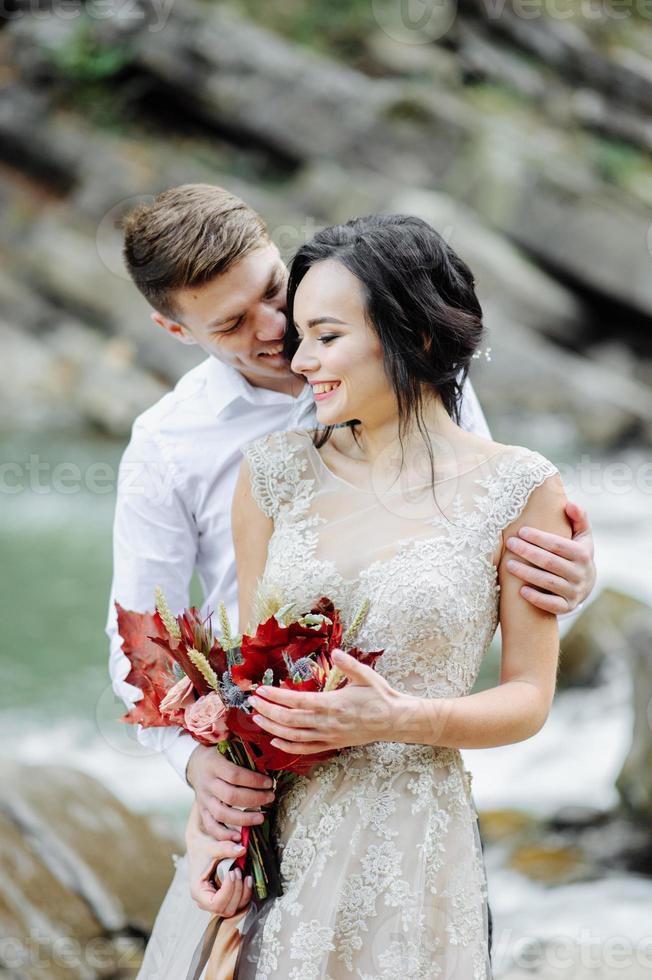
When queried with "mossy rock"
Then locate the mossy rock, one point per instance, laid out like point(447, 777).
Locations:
point(497, 825)
point(550, 864)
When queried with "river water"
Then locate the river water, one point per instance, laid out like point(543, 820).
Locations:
point(57, 705)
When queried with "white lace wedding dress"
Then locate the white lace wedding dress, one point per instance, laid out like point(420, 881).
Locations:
point(381, 862)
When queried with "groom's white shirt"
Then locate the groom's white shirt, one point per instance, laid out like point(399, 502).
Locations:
point(173, 510)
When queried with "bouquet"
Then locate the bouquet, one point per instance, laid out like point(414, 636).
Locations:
point(201, 682)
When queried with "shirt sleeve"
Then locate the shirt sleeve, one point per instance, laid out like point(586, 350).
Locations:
point(471, 415)
point(154, 543)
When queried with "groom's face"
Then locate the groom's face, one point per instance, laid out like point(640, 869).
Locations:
point(239, 317)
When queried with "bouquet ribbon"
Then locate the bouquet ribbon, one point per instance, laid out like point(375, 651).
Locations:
point(224, 949)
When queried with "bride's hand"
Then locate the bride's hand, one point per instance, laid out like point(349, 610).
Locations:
point(204, 853)
point(303, 722)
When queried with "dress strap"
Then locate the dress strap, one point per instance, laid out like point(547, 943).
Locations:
point(277, 464)
point(509, 487)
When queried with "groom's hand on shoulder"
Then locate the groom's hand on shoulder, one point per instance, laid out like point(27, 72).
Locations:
point(221, 788)
point(558, 573)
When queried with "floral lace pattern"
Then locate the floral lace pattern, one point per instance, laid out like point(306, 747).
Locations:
point(380, 855)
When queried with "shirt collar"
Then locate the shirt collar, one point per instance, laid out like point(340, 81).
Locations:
point(226, 386)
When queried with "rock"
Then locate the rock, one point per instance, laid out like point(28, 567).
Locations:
point(28, 139)
point(239, 78)
point(610, 841)
point(70, 378)
point(505, 276)
point(578, 818)
point(601, 630)
point(82, 878)
point(92, 844)
point(96, 294)
point(572, 222)
point(552, 864)
point(507, 280)
point(596, 112)
point(635, 780)
point(104, 382)
point(39, 915)
point(33, 395)
point(531, 384)
point(567, 46)
point(498, 825)
point(484, 57)
point(393, 56)
point(20, 304)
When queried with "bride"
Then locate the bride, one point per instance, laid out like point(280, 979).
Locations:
point(389, 501)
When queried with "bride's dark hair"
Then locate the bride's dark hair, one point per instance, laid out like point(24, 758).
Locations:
point(420, 300)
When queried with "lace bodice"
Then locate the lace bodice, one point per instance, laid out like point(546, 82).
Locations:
point(424, 563)
point(381, 861)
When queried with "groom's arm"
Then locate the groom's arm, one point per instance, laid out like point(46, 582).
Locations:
point(154, 543)
point(557, 574)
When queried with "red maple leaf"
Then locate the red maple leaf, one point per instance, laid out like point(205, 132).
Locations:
point(152, 668)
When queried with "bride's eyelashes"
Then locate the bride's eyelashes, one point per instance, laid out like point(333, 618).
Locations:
point(324, 339)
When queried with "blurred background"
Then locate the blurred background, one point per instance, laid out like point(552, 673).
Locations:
point(522, 130)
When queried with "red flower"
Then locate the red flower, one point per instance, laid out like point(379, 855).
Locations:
point(265, 756)
point(266, 648)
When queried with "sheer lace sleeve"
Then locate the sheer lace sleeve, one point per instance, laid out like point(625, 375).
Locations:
point(517, 475)
point(277, 463)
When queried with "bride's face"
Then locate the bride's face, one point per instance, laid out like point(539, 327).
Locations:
point(339, 353)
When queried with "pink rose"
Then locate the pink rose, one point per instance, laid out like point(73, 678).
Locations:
point(206, 719)
point(177, 699)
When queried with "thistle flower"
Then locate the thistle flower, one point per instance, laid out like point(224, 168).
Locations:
point(165, 613)
point(231, 694)
point(299, 670)
point(202, 665)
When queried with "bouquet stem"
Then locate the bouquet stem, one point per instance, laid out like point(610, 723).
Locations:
point(260, 852)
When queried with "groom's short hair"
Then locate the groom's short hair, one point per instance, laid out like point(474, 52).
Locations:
point(185, 237)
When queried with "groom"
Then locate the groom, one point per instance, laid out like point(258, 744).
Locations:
point(204, 261)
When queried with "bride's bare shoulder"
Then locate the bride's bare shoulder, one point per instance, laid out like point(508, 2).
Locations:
point(483, 448)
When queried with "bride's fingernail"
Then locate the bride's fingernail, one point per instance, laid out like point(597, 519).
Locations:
point(249, 881)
